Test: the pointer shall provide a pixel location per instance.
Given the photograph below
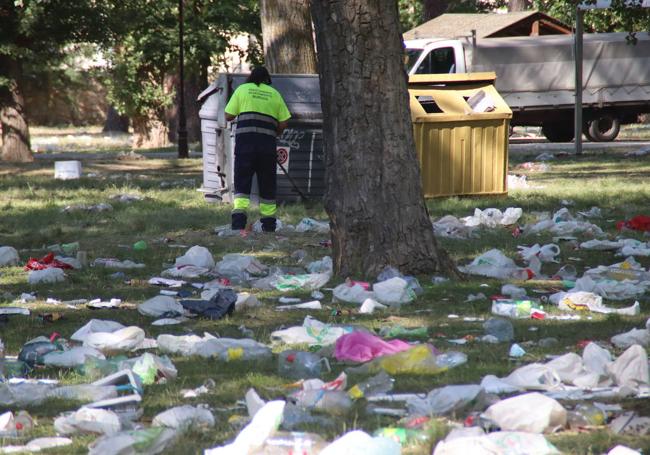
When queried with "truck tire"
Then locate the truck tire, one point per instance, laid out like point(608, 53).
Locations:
point(604, 129)
point(558, 132)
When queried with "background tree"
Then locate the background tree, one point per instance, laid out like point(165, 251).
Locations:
point(519, 5)
point(287, 35)
point(33, 38)
point(143, 76)
point(373, 190)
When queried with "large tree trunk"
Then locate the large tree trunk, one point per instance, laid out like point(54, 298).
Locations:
point(149, 132)
point(433, 8)
point(115, 123)
point(13, 118)
point(518, 5)
point(196, 79)
point(373, 190)
point(287, 35)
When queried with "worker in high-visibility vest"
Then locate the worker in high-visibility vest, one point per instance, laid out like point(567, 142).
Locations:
point(261, 115)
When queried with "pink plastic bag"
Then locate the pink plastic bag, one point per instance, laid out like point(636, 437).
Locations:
point(362, 346)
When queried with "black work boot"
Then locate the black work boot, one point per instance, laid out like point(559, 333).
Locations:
point(268, 224)
point(238, 221)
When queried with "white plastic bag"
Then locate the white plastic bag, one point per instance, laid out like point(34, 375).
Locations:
point(325, 265)
point(245, 300)
point(184, 417)
point(445, 400)
point(312, 225)
point(240, 267)
point(226, 349)
point(198, 256)
point(95, 325)
point(52, 275)
point(568, 366)
point(631, 368)
point(497, 443)
point(393, 292)
point(312, 332)
point(123, 340)
point(596, 359)
point(71, 358)
point(534, 376)
point(159, 305)
point(369, 306)
point(8, 256)
point(266, 421)
point(351, 294)
point(514, 414)
point(88, 420)
point(360, 442)
point(634, 336)
point(492, 264)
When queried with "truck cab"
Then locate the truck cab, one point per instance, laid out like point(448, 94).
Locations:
point(434, 56)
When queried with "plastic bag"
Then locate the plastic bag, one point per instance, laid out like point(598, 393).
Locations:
point(246, 300)
point(534, 376)
point(150, 367)
point(596, 359)
point(323, 266)
point(266, 422)
point(304, 282)
point(8, 256)
point(185, 271)
point(53, 275)
point(568, 366)
point(240, 267)
point(545, 253)
point(631, 368)
point(198, 256)
point(514, 414)
point(497, 443)
point(369, 306)
point(312, 332)
point(492, 264)
point(71, 358)
point(634, 336)
point(161, 305)
point(312, 225)
point(355, 293)
point(184, 417)
point(419, 359)
point(144, 441)
point(362, 346)
point(446, 400)
point(93, 326)
point(88, 420)
point(226, 349)
point(588, 301)
point(126, 339)
point(393, 292)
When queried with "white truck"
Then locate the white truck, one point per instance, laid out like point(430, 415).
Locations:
point(536, 77)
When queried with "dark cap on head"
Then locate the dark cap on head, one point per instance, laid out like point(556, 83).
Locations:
point(259, 75)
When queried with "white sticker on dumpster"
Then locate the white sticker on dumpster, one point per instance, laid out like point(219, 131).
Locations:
point(283, 158)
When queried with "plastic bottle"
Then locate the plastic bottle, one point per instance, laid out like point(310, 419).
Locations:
point(330, 401)
point(586, 415)
point(451, 359)
point(294, 443)
point(381, 383)
point(300, 364)
point(23, 422)
point(140, 245)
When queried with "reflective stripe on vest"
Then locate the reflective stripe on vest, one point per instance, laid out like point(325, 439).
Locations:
point(254, 122)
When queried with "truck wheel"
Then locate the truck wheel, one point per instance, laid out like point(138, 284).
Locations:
point(558, 132)
point(605, 128)
point(585, 131)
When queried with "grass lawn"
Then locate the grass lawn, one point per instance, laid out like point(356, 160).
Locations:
point(31, 219)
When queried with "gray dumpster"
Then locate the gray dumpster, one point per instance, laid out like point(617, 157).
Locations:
point(300, 148)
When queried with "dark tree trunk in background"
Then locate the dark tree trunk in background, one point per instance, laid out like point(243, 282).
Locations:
point(196, 80)
point(115, 123)
point(373, 189)
point(518, 5)
point(433, 8)
point(288, 37)
point(13, 118)
point(150, 131)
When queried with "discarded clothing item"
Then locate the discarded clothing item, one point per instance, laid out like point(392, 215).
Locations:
point(226, 349)
point(46, 262)
point(637, 223)
point(197, 256)
point(514, 414)
point(363, 346)
point(8, 256)
point(312, 332)
point(220, 305)
point(161, 306)
point(53, 275)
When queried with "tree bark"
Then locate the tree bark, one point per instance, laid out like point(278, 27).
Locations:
point(13, 118)
point(288, 37)
point(115, 123)
point(518, 5)
point(149, 132)
point(433, 8)
point(373, 190)
point(196, 79)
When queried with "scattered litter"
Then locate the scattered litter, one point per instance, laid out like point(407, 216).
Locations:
point(161, 306)
point(8, 256)
point(311, 225)
point(313, 305)
point(112, 263)
point(362, 347)
point(54, 275)
point(514, 414)
point(102, 207)
point(197, 256)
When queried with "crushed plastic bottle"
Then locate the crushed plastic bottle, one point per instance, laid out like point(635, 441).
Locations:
point(329, 401)
point(379, 384)
point(586, 415)
point(294, 443)
point(301, 365)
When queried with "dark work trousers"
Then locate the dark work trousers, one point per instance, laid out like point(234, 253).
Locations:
point(255, 156)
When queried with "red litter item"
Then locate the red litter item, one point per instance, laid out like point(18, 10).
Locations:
point(583, 343)
point(46, 262)
point(365, 285)
point(537, 315)
point(516, 232)
point(637, 223)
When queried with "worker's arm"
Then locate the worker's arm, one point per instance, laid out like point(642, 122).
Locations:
point(230, 117)
point(281, 127)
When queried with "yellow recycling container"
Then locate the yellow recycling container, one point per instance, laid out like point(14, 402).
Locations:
point(461, 127)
